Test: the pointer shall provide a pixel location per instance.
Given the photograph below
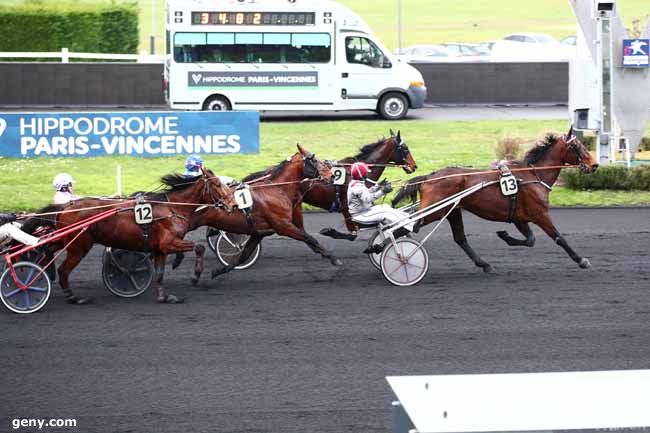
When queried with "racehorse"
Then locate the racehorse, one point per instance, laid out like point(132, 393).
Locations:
point(530, 204)
point(333, 198)
point(172, 211)
point(276, 208)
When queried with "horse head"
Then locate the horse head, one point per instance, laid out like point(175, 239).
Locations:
point(401, 155)
point(577, 154)
point(313, 167)
point(215, 192)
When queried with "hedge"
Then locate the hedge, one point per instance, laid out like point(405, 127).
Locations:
point(615, 177)
point(92, 28)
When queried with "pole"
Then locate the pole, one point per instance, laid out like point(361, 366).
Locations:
point(119, 179)
point(152, 38)
point(399, 26)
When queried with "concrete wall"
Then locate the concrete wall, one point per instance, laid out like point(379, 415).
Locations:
point(137, 84)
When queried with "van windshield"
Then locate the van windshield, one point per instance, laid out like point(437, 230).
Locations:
point(202, 47)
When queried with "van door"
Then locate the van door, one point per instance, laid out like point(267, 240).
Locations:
point(365, 72)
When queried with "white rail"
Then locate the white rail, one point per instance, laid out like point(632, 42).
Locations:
point(65, 55)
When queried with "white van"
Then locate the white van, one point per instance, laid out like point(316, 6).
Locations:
point(282, 55)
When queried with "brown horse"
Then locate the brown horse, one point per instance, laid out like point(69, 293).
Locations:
point(164, 235)
point(276, 208)
point(530, 204)
point(333, 198)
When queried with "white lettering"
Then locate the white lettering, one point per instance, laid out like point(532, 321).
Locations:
point(134, 144)
point(83, 122)
point(27, 144)
point(233, 141)
point(109, 146)
point(24, 126)
point(149, 149)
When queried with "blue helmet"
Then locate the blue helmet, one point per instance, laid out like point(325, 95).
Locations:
point(193, 163)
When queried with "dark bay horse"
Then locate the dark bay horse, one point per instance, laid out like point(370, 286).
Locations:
point(529, 206)
point(333, 198)
point(171, 221)
point(276, 208)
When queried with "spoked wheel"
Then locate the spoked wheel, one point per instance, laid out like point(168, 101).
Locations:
point(127, 274)
point(405, 262)
point(230, 246)
point(28, 292)
point(376, 239)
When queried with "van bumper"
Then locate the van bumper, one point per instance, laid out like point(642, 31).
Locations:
point(417, 95)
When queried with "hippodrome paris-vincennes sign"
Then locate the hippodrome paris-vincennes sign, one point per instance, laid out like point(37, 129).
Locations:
point(147, 134)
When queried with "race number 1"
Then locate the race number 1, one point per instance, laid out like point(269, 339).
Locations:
point(338, 175)
point(143, 213)
point(244, 198)
point(508, 185)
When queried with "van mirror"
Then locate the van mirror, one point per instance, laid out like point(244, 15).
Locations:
point(386, 64)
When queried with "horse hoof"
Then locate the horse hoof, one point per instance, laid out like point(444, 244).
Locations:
point(171, 299)
point(75, 300)
point(585, 264)
point(194, 281)
point(177, 262)
point(489, 269)
point(503, 234)
point(337, 262)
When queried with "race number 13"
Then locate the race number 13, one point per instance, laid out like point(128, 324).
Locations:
point(508, 185)
point(338, 175)
point(143, 213)
point(244, 198)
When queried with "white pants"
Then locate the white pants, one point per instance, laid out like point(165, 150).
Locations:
point(12, 231)
point(382, 213)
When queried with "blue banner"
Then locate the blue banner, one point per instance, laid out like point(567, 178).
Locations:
point(148, 134)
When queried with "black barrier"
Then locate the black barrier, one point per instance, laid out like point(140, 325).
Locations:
point(139, 84)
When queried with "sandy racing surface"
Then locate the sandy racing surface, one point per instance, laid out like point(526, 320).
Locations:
point(297, 345)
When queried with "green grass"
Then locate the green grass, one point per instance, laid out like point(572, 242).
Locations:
point(429, 21)
point(25, 184)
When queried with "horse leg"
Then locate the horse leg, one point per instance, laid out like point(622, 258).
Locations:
point(525, 230)
point(178, 259)
point(159, 273)
point(199, 250)
point(249, 248)
point(74, 254)
point(545, 223)
point(297, 217)
point(455, 220)
point(290, 230)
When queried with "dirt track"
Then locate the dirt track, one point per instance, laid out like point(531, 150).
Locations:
point(296, 345)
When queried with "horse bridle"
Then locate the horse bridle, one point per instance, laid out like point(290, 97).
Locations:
point(571, 143)
point(310, 168)
point(217, 201)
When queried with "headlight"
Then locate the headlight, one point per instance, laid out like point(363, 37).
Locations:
point(417, 83)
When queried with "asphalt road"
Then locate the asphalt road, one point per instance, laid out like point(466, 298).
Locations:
point(296, 345)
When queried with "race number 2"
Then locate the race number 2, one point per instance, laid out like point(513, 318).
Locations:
point(338, 175)
point(143, 213)
point(244, 198)
point(508, 185)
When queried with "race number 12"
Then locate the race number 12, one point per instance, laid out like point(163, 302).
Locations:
point(143, 213)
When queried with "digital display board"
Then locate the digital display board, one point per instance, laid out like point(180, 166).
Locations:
point(254, 18)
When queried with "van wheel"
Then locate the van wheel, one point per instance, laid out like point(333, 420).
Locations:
point(393, 106)
point(217, 103)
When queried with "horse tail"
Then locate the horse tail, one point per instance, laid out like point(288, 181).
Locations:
point(31, 224)
point(410, 190)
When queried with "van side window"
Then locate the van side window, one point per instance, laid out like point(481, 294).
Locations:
point(252, 47)
point(364, 51)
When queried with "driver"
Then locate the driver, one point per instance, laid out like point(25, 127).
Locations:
point(62, 184)
point(361, 202)
point(193, 165)
point(9, 229)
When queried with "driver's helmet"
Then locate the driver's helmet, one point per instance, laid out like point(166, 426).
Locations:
point(62, 182)
point(193, 164)
point(359, 170)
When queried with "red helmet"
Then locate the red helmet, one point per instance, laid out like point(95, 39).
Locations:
point(359, 170)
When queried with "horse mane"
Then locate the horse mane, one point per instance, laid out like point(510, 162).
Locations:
point(257, 174)
point(541, 147)
point(172, 182)
point(365, 151)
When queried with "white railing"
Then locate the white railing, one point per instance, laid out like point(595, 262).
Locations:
point(65, 55)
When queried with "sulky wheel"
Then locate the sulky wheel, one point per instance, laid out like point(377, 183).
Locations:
point(26, 290)
point(405, 262)
point(127, 274)
point(228, 247)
